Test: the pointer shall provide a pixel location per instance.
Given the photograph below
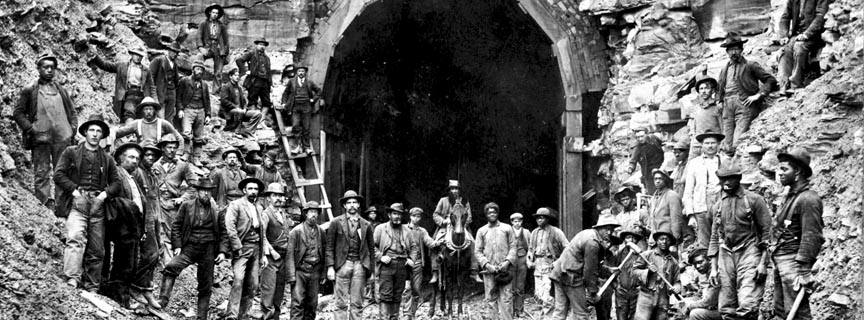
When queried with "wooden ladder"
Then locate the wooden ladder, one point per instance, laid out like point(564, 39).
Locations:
point(317, 161)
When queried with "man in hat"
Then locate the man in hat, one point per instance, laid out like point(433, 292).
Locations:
point(247, 229)
point(255, 66)
point(167, 79)
point(148, 247)
point(544, 247)
point(306, 263)
point(395, 254)
point(627, 289)
point(233, 107)
point(267, 171)
point(132, 83)
point(171, 172)
point(47, 119)
point(739, 246)
point(658, 262)
point(648, 154)
point(228, 177)
point(197, 237)
point(495, 250)
point(288, 73)
point(349, 250)
point(798, 234)
point(705, 308)
point(631, 217)
point(85, 177)
point(372, 286)
point(194, 110)
point(214, 38)
point(801, 27)
point(701, 186)
point(666, 207)
point(680, 150)
point(576, 272)
point(443, 211)
point(149, 128)
point(520, 267)
point(706, 114)
point(421, 237)
point(278, 225)
point(740, 91)
point(300, 101)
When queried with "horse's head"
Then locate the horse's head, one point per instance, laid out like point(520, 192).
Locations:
point(458, 221)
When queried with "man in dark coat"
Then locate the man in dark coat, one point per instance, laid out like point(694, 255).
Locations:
point(214, 38)
point(233, 107)
point(255, 66)
point(305, 262)
point(395, 254)
point(648, 154)
point(349, 251)
point(274, 277)
point(194, 110)
point(132, 83)
point(47, 118)
point(166, 79)
point(149, 246)
point(801, 27)
point(86, 176)
point(300, 99)
point(740, 91)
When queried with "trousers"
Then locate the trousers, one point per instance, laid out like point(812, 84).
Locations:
point(652, 306)
point(350, 282)
point(85, 241)
point(570, 301)
point(148, 259)
point(45, 157)
point(499, 298)
point(304, 295)
point(202, 254)
point(625, 302)
point(520, 269)
point(392, 277)
point(273, 279)
point(246, 268)
point(736, 121)
point(740, 295)
point(785, 271)
point(794, 60)
point(411, 295)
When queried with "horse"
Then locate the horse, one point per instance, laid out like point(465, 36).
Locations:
point(456, 255)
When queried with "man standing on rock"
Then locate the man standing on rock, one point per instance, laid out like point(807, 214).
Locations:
point(649, 270)
point(214, 38)
point(707, 114)
point(247, 229)
point(632, 218)
point(680, 150)
point(441, 216)
point(648, 153)
point(300, 99)
point(666, 207)
point(739, 246)
point(740, 91)
point(496, 252)
point(544, 247)
point(86, 176)
point(395, 254)
point(349, 250)
point(800, 32)
point(238, 119)
point(166, 79)
point(149, 128)
point(258, 79)
point(227, 178)
point(305, 263)
point(132, 83)
point(798, 234)
point(701, 187)
point(194, 110)
point(148, 247)
point(47, 118)
point(197, 237)
point(266, 172)
point(172, 172)
point(274, 276)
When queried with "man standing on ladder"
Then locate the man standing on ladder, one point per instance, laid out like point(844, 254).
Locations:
point(301, 100)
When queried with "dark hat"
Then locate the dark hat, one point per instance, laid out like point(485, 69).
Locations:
point(351, 194)
point(301, 67)
point(681, 145)
point(244, 182)
point(800, 157)
point(262, 40)
point(396, 207)
point(666, 232)
point(148, 102)
point(166, 139)
point(621, 191)
point(230, 151)
point(545, 212)
point(149, 145)
point(636, 233)
point(705, 78)
point(174, 46)
point(272, 154)
point(371, 209)
point(709, 133)
point(274, 187)
point(139, 51)
point(46, 57)
point(129, 145)
point(214, 6)
point(98, 120)
point(311, 205)
point(203, 183)
point(728, 170)
point(732, 39)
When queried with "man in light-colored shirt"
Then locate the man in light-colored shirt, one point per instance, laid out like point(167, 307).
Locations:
point(702, 187)
point(496, 252)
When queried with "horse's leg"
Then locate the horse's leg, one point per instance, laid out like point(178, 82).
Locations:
point(432, 303)
point(461, 283)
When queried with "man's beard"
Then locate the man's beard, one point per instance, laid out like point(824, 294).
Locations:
point(253, 198)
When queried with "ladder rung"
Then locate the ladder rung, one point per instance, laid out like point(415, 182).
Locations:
point(311, 182)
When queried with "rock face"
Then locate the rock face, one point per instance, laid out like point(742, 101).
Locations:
point(717, 17)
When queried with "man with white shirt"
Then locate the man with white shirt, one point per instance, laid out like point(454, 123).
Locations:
point(702, 187)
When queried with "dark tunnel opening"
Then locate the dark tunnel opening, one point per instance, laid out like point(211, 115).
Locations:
point(426, 91)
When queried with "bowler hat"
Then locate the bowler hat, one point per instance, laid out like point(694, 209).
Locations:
point(203, 183)
point(149, 145)
point(311, 205)
point(95, 119)
point(274, 187)
point(244, 182)
point(301, 67)
point(217, 7)
point(148, 102)
point(396, 207)
point(728, 170)
point(371, 209)
point(46, 56)
point(263, 41)
point(709, 133)
point(545, 212)
point(351, 194)
point(733, 39)
point(230, 151)
point(800, 157)
point(129, 145)
point(272, 154)
point(166, 139)
point(606, 220)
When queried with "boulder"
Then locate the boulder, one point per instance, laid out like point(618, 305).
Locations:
point(718, 17)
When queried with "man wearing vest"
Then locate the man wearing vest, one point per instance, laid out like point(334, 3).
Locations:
point(194, 110)
point(395, 254)
point(258, 79)
point(544, 247)
point(520, 267)
point(348, 257)
point(166, 78)
point(132, 83)
point(214, 38)
point(47, 118)
point(172, 172)
point(305, 263)
point(300, 99)
point(150, 128)
point(701, 186)
point(274, 277)
point(227, 178)
point(247, 229)
point(738, 247)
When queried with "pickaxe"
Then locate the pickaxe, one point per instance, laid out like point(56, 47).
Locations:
point(798, 299)
point(634, 247)
point(615, 275)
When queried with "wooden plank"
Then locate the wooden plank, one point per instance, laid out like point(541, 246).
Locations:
point(309, 182)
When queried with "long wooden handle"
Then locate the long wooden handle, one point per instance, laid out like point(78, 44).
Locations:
point(612, 278)
point(797, 304)
point(677, 296)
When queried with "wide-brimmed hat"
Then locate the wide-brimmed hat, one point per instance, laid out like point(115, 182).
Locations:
point(301, 67)
point(606, 220)
point(47, 56)
point(621, 191)
point(636, 233)
point(733, 39)
point(371, 209)
point(166, 139)
point(148, 102)
point(666, 232)
point(451, 184)
point(800, 157)
point(710, 133)
point(396, 207)
point(230, 151)
point(729, 170)
point(149, 145)
point(272, 154)
point(274, 187)
point(262, 40)
point(244, 182)
point(705, 78)
point(98, 120)
point(662, 172)
point(221, 12)
point(545, 212)
point(174, 46)
point(681, 145)
point(415, 211)
point(203, 183)
point(126, 146)
point(139, 51)
point(311, 205)
point(351, 194)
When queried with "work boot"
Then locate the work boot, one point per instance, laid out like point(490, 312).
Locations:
point(434, 277)
point(476, 277)
point(151, 300)
point(165, 290)
point(203, 307)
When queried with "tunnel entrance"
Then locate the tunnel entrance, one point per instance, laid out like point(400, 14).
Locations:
point(425, 91)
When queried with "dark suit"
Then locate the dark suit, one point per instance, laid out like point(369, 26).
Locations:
point(126, 99)
point(167, 79)
point(306, 277)
point(203, 254)
point(257, 84)
point(350, 274)
point(801, 17)
point(301, 110)
point(737, 116)
point(216, 46)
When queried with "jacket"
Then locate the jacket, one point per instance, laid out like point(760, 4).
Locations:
point(288, 96)
point(666, 213)
point(384, 238)
point(337, 243)
point(238, 222)
point(579, 264)
point(740, 219)
point(163, 73)
point(25, 111)
point(526, 234)
point(803, 236)
point(701, 185)
point(148, 181)
point(556, 241)
point(122, 220)
point(277, 232)
point(813, 18)
point(171, 177)
point(748, 80)
point(442, 210)
point(121, 81)
point(222, 39)
point(678, 177)
point(626, 279)
point(181, 228)
point(495, 244)
point(297, 248)
point(650, 281)
point(254, 61)
point(222, 188)
point(231, 97)
point(184, 94)
point(648, 155)
point(66, 177)
point(422, 238)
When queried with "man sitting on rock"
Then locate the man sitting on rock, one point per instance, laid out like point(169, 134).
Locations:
point(238, 119)
point(801, 27)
